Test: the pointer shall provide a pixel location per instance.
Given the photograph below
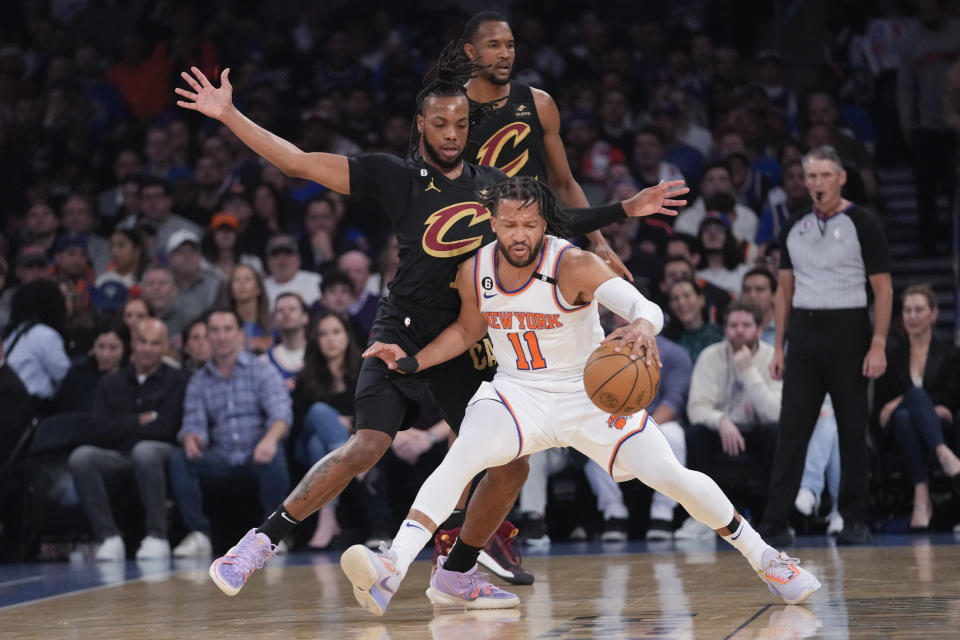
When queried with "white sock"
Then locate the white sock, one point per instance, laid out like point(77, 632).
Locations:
point(747, 541)
point(408, 542)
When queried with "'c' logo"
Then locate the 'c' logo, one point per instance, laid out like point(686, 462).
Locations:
point(489, 153)
point(440, 222)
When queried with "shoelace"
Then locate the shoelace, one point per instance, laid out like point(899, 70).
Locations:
point(251, 555)
point(779, 567)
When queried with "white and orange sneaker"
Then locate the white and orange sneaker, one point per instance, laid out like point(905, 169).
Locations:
point(786, 578)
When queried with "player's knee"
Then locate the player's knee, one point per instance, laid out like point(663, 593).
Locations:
point(363, 450)
point(513, 474)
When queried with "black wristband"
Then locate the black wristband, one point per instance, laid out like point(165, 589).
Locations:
point(408, 365)
point(585, 220)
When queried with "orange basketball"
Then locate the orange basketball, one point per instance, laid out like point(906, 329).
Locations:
point(617, 384)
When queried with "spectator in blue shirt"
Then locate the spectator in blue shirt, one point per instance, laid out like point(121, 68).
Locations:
point(235, 414)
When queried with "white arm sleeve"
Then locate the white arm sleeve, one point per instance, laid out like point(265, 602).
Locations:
point(623, 299)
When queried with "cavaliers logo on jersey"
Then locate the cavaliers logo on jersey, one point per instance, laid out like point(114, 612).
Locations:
point(440, 222)
point(489, 154)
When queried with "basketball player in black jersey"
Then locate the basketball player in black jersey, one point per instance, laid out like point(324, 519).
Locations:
point(522, 136)
point(431, 201)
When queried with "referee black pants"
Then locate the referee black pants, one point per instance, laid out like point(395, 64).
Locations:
point(825, 352)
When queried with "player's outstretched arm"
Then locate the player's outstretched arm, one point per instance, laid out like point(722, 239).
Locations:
point(328, 169)
point(652, 200)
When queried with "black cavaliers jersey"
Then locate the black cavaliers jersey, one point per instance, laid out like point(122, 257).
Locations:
point(511, 138)
point(439, 222)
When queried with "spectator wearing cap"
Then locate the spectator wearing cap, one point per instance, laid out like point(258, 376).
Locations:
point(159, 290)
point(717, 179)
point(155, 204)
point(220, 245)
point(283, 261)
point(198, 285)
point(648, 158)
point(721, 258)
point(128, 258)
point(72, 262)
point(78, 219)
point(42, 226)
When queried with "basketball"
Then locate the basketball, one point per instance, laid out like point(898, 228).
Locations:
point(617, 384)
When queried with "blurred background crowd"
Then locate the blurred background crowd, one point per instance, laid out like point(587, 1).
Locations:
point(116, 207)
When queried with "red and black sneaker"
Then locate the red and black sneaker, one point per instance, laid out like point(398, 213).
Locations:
point(443, 542)
point(501, 555)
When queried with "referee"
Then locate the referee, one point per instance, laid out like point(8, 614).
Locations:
point(828, 254)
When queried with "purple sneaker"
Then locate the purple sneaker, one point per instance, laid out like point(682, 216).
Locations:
point(374, 576)
point(231, 571)
point(470, 590)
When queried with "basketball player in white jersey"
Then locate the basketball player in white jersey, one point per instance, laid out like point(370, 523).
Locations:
point(536, 296)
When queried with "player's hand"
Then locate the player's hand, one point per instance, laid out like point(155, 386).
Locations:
point(730, 437)
point(776, 365)
point(192, 446)
point(205, 98)
point(640, 333)
point(265, 450)
point(389, 353)
point(657, 199)
point(606, 253)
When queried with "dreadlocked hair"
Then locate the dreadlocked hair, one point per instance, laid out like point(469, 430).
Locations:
point(529, 191)
point(446, 79)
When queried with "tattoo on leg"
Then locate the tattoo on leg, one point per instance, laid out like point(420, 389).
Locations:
point(315, 478)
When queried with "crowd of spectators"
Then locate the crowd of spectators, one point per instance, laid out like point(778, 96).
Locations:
point(138, 241)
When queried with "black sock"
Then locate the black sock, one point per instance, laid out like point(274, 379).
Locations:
point(278, 525)
point(455, 520)
point(462, 557)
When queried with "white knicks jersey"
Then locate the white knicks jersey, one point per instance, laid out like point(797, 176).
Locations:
point(537, 336)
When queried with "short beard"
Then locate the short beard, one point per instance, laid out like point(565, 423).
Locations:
point(534, 254)
point(437, 159)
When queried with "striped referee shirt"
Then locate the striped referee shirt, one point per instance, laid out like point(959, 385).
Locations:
point(832, 257)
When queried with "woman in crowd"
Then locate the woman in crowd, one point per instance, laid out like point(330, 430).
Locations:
point(33, 340)
point(721, 256)
point(918, 397)
point(688, 318)
point(248, 297)
point(196, 346)
point(111, 349)
point(128, 258)
point(323, 403)
point(135, 310)
point(220, 245)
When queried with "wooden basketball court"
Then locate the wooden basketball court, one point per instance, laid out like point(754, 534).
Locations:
point(908, 588)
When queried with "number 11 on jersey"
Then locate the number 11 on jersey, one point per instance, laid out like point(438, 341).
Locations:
point(535, 361)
